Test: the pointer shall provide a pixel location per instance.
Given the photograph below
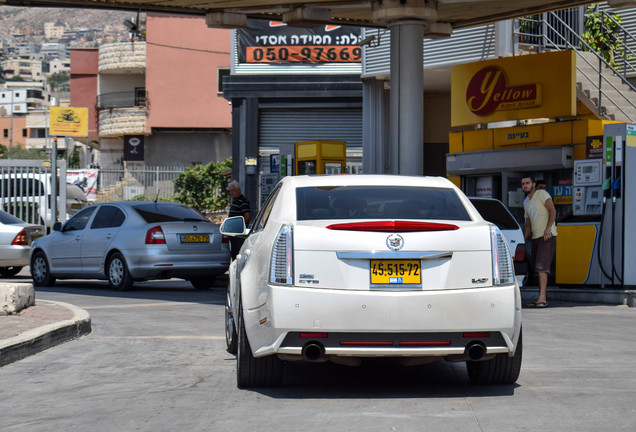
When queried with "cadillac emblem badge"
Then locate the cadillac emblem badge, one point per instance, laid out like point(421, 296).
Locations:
point(395, 242)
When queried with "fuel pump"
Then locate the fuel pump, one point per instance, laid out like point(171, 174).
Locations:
point(594, 249)
point(619, 150)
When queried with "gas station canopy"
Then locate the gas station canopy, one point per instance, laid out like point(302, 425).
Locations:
point(371, 13)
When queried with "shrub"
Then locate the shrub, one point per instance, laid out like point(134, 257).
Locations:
point(204, 187)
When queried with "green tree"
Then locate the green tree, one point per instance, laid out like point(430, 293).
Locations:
point(3, 151)
point(60, 81)
point(204, 187)
point(19, 152)
point(602, 34)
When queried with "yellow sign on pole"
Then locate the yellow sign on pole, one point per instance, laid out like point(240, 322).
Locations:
point(68, 121)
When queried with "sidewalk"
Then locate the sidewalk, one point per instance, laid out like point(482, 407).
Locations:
point(40, 327)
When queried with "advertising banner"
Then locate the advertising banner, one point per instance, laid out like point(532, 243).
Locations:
point(594, 147)
point(275, 42)
point(514, 88)
point(85, 179)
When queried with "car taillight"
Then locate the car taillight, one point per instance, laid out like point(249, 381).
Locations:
point(393, 226)
point(503, 271)
point(155, 236)
point(520, 252)
point(225, 239)
point(20, 239)
point(281, 267)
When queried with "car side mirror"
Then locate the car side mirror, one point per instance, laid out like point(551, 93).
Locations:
point(57, 226)
point(234, 226)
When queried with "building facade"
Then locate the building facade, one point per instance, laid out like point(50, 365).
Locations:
point(149, 91)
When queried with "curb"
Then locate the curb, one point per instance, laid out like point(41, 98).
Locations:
point(39, 339)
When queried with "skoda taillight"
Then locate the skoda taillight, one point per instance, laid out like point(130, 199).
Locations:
point(155, 236)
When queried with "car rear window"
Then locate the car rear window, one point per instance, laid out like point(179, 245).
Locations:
point(379, 202)
point(494, 211)
point(161, 212)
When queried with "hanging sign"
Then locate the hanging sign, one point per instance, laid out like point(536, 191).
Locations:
point(133, 148)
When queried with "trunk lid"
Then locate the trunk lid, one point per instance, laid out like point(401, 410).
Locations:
point(364, 260)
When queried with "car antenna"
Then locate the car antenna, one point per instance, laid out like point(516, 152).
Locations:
point(156, 199)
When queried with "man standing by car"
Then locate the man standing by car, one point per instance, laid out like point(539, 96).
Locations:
point(540, 215)
point(240, 207)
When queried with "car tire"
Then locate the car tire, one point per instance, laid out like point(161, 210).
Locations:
point(203, 283)
point(255, 372)
point(502, 369)
point(40, 270)
point(231, 338)
point(9, 271)
point(119, 278)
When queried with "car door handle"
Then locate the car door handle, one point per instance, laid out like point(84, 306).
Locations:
point(109, 236)
point(78, 237)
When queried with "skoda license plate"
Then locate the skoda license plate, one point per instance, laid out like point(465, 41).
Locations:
point(387, 272)
point(195, 238)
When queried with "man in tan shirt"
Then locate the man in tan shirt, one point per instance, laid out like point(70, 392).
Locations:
point(540, 215)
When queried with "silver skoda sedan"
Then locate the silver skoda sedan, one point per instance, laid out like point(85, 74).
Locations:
point(130, 241)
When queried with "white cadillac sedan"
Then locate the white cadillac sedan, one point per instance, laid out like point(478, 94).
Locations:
point(339, 268)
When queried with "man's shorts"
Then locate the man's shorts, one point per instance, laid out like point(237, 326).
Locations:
point(542, 253)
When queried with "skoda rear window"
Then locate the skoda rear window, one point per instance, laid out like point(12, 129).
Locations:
point(153, 213)
point(379, 202)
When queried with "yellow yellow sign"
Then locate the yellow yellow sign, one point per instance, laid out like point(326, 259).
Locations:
point(514, 88)
point(68, 121)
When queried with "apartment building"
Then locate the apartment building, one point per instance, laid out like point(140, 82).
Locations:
point(53, 31)
point(27, 68)
point(149, 93)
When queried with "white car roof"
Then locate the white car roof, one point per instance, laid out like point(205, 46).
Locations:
point(367, 179)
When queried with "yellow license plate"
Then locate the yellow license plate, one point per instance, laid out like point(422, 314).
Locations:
point(195, 238)
point(36, 236)
point(388, 272)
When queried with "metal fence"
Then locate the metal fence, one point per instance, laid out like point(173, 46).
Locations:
point(128, 182)
point(117, 183)
point(26, 190)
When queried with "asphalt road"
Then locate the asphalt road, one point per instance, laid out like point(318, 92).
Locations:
point(156, 361)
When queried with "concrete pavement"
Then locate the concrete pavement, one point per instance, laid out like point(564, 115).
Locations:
point(45, 324)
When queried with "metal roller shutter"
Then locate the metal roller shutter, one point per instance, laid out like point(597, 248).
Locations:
point(288, 126)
